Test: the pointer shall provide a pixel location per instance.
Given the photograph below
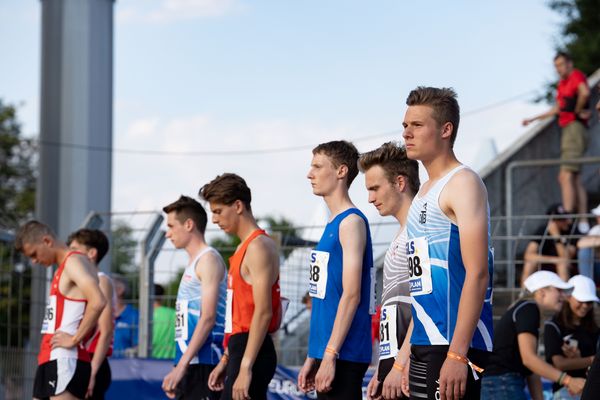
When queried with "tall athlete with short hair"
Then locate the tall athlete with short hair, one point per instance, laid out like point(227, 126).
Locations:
point(449, 255)
point(72, 311)
point(200, 306)
point(94, 244)
point(341, 282)
point(392, 180)
point(253, 298)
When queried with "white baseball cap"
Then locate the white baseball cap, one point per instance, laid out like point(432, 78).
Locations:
point(584, 289)
point(542, 279)
point(596, 211)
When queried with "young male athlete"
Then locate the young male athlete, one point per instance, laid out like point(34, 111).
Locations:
point(449, 256)
point(94, 244)
point(72, 311)
point(253, 298)
point(200, 306)
point(341, 282)
point(392, 180)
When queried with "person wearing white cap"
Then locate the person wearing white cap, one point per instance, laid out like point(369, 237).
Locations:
point(588, 249)
point(570, 337)
point(514, 360)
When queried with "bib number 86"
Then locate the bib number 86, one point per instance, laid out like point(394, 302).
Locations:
point(414, 266)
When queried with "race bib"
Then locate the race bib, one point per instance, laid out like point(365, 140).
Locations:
point(318, 273)
point(229, 312)
point(388, 338)
point(419, 266)
point(181, 320)
point(49, 324)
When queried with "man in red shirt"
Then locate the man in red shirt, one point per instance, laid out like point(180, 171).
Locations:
point(571, 107)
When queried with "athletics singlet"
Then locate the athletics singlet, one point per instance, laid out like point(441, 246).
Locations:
point(240, 301)
point(189, 310)
point(437, 273)
point(91, 343)
point(325, 287)
point(62, 314)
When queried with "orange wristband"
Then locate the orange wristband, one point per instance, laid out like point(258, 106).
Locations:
point(398, 366)
point(331, 350)
point(566, 380)
point(455, 356)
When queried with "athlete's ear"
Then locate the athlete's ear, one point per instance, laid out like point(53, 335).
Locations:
point(342, 171)
point(447, 130)
point(239, 206)
point(189, 225)
point(401, 182)
point(47, 240)
point(92, 254)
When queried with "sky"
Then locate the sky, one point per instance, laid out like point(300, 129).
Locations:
point(223, 76)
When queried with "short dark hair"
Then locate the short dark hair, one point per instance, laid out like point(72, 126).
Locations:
point(187, 208)
point(391, 157)
point(442, 101)
point(226, 189)
point(93, 238)
point(31, 232)
point(341, 152)
point(564, 55)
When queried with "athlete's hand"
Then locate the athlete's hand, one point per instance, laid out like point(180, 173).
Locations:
point(241, 386)
point(216, 379)
point(392, 385)
point(62, 339)
point(453, 380)
point(405, 379)
point(570, 351)
point(325, 374)
point(373, 387)
point(306, 376)
point(172, 380)
point(90, 389)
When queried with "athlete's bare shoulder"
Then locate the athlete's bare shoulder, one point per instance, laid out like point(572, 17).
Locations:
point(262, 244)
point(465, 190)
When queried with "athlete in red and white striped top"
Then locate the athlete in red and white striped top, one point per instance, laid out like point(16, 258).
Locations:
point(73, 308)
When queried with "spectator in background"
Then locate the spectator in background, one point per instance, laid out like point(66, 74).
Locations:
point(588, 252)
point(126, 323)
point(163, 326)
point(570, 337)
point(571, 107)
point(514, 361)
point(307, 301)
point(553, 250)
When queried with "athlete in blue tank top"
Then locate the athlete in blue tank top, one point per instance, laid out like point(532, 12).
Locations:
point(449, 256)
point(341, 282)
point(200, 307)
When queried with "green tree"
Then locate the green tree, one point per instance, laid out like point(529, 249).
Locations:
point(123, 248)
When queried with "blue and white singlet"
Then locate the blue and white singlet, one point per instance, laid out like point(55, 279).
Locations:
point(325, 288)
point(438, 273)
point(188, 309)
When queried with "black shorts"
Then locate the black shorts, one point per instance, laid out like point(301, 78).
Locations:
point(194, 384)
point(424, 374)
point(64, 374)
point(347, 382)
point(103, 379)
point(262, 371)
point(384, 368)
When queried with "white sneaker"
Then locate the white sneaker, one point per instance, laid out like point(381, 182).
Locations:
point(583, 227)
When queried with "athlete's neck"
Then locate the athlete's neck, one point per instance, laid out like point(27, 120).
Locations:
point(439, 166)
point(402, 213)
point(337, 202)
point(246, 226)
point(195, 246)
point(62, 251)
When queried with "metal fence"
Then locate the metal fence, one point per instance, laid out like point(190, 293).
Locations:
point(145, 258)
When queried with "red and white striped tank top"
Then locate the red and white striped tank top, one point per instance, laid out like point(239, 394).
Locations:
point(62, 314)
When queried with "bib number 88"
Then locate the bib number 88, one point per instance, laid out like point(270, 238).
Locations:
point(314, 272)
point(414, 266)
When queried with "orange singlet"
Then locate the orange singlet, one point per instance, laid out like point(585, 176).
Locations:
point(239, 293)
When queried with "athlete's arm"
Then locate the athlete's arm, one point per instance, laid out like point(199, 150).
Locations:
point(105, 325)
point(469, 212)
point(79, 270)
point(210, 271)
point(262, 262)
point(583, 94)
point(353, 239)
point(396, 381)
point(550, 113)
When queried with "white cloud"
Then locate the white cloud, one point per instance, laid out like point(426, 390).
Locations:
point(177, 10)
point(142, 128)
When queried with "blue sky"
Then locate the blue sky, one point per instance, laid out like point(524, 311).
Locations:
point(204, 75)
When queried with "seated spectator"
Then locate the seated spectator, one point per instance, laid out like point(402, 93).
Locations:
point(126, 322)
point(570, 337)
point(163, 327)
point(553, 250)
point(588, 252)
